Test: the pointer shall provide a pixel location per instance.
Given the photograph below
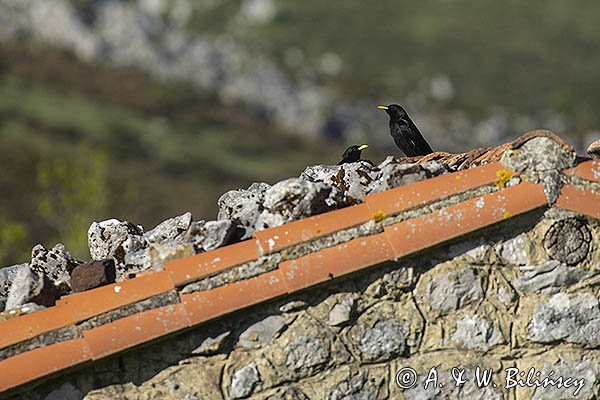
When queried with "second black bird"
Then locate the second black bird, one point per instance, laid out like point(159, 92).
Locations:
point(352, 153)
point(405, 133)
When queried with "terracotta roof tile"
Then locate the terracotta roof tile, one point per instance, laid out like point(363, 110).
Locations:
point(192, 268)
point(127, 332)
point(295, 232)
point(26, 326)
point(589, 170)
point(206, 305)
point(584, 201)
point(401, 198)
point(336, 261)
point(28, 366)
point(100, 300)
point(420, 233)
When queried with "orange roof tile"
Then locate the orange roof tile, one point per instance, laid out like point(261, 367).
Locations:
point(96, 301)
point(42, 361)
point(26, 326)
point(201, 265)
point(210, 304)
point(589, 170)
point(401, 198)
point(136, 329)
point(416, 234)
point(584, 201)
point(277, 238)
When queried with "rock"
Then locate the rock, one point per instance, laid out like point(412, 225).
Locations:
point(210, 235)
point(356, 388)
point(263, 331)
point(213, 344)
point(295, 198)
point(244, 381)
point(568, 241)
point(541, 159)
point(161, 253)
point(7, 276)
point(565, 319)
point(242, 207)
point(65, 392)
point(584, 372)
point(468, 390)
point(56, 263)
point(549, 277)
point(306, 354)
point(594, 152)
point(385, 340)
point(342, 312)
point(478, 251)
point(136, 261)
point(351, 179)
point(476, 333)
point(31, 287)
point(393, 175)
point(106, 238)
point(170, 229)
point(292, 306)
point(93, 274)
point(514, 251)
point(451, 291)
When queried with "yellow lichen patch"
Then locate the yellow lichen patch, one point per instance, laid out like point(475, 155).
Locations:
point(378, 216)
point(503, 176)
point(506, 215)
point(458, 177)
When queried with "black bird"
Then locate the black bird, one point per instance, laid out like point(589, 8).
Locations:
point(352, 153)
point(405, 133)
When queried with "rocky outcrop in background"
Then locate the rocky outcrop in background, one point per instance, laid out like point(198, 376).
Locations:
point(152, 35)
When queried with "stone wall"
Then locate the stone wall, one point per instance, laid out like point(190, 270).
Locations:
point(522, 294)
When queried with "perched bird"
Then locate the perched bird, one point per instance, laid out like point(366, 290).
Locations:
point(405, 133)
point(352, 153)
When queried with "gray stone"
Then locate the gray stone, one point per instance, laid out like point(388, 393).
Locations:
point(352, 179)
point(514, 251)
point(7, 275)
point(393, 175)
point(386, 339)
point(106, 239)
point(542, 159)
point(568, 241)
point(134, 262)
point(213, 344)
point(295, 198)
point(583, 372)
point(242, 207)
point(476, 333)
point(342, 312)
point(306, 353)
point(263, 331)
point(170, 229)
point(478, 251)
point(57, 263)
point(244, 381)
point(549, 277)
point(293, 306)
point(451, 291)
point(161, 253)
point(565, 319)
point(65, 392)
point(356, 388)
point(31, 287)
point(217, 234)
point(448, 390)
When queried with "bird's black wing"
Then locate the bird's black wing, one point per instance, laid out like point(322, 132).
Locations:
point(421, 146)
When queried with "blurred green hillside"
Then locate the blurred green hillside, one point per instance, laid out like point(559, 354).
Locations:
point(80, 143)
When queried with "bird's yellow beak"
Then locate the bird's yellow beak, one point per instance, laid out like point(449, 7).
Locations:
point(382, 107)
point(363, 146)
